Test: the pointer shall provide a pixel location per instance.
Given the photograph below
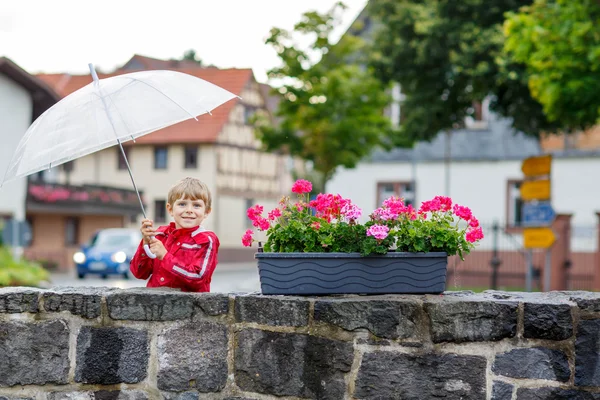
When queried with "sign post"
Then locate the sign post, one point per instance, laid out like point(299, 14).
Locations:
point(537, 213)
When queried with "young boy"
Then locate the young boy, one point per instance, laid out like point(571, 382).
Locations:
point(186, 253)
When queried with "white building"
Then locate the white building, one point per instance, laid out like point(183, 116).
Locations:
point(23, 98)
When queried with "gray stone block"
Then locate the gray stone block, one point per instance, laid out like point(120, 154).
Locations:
point(240, 398)
point(587, 353)
point(150, 305)
point(471, 321)
point(34, 353)
point(533, 363)
point(180, 396)
point(390, 375)
point(110, 355)
point(383, 318)
point(19, 300)
point(193, 356)
point(85, 302)
point(212, 304)
point(99, 395)
point(15, 398)
point(548, 393)
point(547, 321)
point(587, 301)
point(274, 311)
point(287, 364)
point(502, 391)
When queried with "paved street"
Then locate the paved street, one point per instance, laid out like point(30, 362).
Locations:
point(233, 277)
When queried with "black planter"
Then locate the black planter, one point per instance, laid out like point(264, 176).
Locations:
point(339, 273)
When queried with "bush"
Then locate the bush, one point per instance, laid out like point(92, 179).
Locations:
point(19, 273)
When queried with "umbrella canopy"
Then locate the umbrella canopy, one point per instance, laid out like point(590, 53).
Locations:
point(111, 111)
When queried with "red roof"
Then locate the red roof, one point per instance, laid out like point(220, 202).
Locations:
point(205, 130)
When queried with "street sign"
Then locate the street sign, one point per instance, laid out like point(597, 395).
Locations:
point(535, 190)
point(535, 166)
point(538, 238)
point(538, 213)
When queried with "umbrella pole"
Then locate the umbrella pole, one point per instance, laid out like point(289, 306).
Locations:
point(146, 247)
point(131, 176)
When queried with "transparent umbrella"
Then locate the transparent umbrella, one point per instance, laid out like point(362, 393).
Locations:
point(111, 111)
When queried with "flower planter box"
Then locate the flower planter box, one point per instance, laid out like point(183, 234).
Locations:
point(345, 273)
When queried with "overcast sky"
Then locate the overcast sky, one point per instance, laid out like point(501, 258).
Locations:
point(65, 35)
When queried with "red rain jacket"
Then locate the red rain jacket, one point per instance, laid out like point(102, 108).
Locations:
point(189, 263)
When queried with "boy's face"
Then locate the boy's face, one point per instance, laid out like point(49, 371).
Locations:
point(188, 213)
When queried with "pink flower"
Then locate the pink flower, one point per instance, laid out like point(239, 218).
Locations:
point(351, 211)
point(463, 212)
point(430, 206)
point(274, 214)
point(445, 203)
point(474, 222)
point(302, 186)
point(316, 225)
point(262, 224)
point(474, 235)
point(247, 238)
point(254, 212)
point(384, 214)
point(379, 232)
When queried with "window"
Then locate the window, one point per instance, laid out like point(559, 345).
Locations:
point(160, 211)
point(399, 189)
point(121, 164)
point(68, 166)
point(190, 157)
point(478, 115)
point(514, 203)
point(160, 157)
point(248, 114)
point(249, 203)
point(71, 231)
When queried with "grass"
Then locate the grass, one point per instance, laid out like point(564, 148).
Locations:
point(21, 272)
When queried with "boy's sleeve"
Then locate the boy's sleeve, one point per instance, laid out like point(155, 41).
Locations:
point(195, 268)
point(141, 265)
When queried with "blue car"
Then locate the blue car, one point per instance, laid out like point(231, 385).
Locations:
point(108, 252)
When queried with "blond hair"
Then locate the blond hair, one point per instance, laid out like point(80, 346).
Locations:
point(190, 188)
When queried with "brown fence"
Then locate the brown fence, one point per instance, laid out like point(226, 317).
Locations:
point(501, 262)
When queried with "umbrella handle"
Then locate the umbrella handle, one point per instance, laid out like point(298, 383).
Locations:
point(148, 252)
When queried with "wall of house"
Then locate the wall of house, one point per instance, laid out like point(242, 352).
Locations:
point(99, 343)
point(16, 108)
point(481, 185)
point(101, 169)
point(48, 241)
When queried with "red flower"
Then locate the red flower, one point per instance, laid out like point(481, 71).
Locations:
point(274, 214)
point(302, 186)
point(247, 238)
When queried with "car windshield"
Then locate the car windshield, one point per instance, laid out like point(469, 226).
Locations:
point(105, 239)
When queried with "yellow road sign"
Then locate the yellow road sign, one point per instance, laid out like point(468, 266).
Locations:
point(535, 190)
point(534, 166)
point(538, 238)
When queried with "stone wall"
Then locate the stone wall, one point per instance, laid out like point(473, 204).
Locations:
point(90, 343)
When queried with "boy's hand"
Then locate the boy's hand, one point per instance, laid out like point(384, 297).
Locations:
point(147, 230)
point(158, 248)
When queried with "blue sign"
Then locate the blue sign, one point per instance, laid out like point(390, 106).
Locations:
point(537, 214)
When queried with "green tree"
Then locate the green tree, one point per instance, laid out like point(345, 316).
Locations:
point(190, 55)
point(559, 42)
point(446, 55)
point(331, 108)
